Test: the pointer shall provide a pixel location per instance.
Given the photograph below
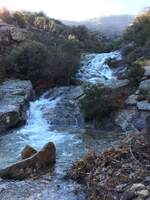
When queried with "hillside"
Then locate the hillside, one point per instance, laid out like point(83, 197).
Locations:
point(109, 25)
point(59, 44)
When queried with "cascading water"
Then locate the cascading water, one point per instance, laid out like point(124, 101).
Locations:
point(70, 143)
point(94, 68)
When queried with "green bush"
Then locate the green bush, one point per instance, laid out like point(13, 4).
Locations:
point(139, 30)
point(138, 35)
point(135, 73)
point(34, 61)
point(99, 103)
point(27, 61)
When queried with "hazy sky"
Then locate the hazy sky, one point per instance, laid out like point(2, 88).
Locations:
point(78, 9)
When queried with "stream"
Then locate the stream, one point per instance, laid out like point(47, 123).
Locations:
point(56, 117)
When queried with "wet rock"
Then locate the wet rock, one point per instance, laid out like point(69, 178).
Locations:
point(145, 86)
point(64, 110)
point(143, 105)
point(36, 164)
point(131, 100)
point(27, 152)
point(115, 83)
point(14, 98)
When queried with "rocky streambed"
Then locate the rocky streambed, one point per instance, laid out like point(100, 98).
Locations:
point(54, 117)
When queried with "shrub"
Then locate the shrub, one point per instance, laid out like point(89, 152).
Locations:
point(50, 67)
point(135, 73)
point(138, 35)
point(27, 61)
point(99, 103)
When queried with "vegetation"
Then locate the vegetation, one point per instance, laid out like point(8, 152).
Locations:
point(137, 35)
point(33, 60)
point(135, 73)
point(112, 174)
point(50, 55)
point(99, 103)
point(138, 32)
point(27, 61)
point(54, 29)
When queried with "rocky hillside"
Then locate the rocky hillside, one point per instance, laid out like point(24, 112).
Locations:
point(41, 49)
point(10, 37)
point(55, 30)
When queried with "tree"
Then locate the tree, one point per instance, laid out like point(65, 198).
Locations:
point(28, 61)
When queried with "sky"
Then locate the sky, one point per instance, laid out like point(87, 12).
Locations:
point(77, 10)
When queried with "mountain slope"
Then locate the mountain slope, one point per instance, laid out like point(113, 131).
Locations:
point(109, 25)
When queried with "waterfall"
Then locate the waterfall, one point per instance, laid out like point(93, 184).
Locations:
point(94, 68)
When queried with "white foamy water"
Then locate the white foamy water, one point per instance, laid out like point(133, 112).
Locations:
point(94, 68)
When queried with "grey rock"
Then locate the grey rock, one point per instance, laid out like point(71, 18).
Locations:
point(143, 193)
point(65, 111)
point(17, 34)
point(147, 179)
point(137, 92)
point(137, 187)
point(9, 33)
point(143, 105)
point(145, 86)
point(147, 71)
point(121, 187)
point(131, 100)
point(14, 98)
point(116, 83)
point(124, 118)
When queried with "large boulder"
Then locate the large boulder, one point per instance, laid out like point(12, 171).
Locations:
point(14, 99)
point(10, 33)
point(36, 164)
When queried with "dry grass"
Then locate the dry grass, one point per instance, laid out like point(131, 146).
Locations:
point(124, 165)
